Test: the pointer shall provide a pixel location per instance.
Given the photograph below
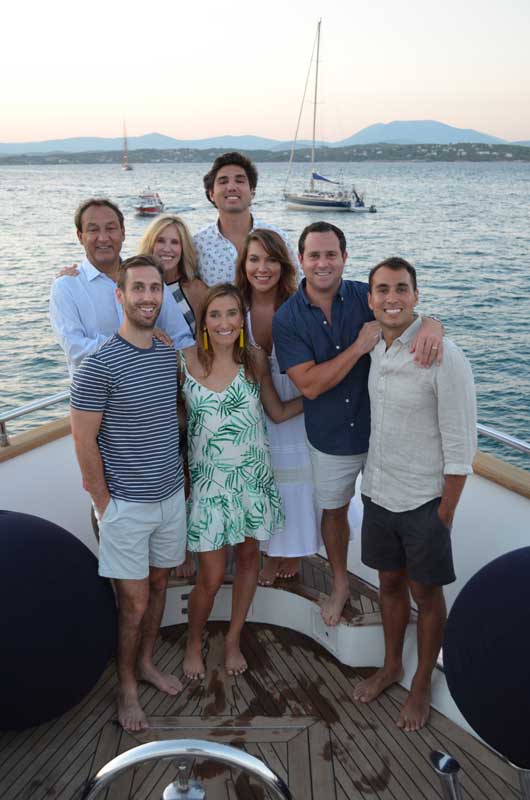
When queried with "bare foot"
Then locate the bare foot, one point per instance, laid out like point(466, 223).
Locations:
point(372, 687)
point(332, 607)
point(269, 572)
point(416, 709)
point(289, 567)
point(235, 663)
point(193, 665)
point(163, 681)
point(130, 713)
point(186, 570)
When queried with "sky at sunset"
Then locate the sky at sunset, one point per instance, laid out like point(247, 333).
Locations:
point(203, 68)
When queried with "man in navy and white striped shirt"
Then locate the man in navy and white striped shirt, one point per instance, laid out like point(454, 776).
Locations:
point(124, 424)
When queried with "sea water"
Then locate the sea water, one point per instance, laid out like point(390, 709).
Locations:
point(464, 226)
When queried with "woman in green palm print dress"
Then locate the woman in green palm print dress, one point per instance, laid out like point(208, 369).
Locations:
point(233, 497)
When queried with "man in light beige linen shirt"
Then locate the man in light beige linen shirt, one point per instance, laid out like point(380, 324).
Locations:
point(422, 444)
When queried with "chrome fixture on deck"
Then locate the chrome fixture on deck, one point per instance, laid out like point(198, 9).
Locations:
point(184, 750)
point(447, 768)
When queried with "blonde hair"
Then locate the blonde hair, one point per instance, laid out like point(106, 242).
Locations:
point(241, 355)
point(187, 265)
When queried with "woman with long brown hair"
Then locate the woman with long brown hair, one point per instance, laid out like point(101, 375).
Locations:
point(267, 277)
point(233, 497)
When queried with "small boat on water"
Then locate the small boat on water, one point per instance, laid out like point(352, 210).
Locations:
point(149, 203)
point(126, 167)
point(315, 199)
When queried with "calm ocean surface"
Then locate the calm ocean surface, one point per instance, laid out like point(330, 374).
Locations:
point(464, 226)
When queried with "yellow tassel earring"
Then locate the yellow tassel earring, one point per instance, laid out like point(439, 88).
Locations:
point(205, 339)
point(241, 339)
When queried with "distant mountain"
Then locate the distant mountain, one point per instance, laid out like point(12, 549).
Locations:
point(424, 131)
point(149, 141)
point(523, 144)
point(398, 132)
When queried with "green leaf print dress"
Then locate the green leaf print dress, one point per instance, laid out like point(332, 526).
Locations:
point(233, 493)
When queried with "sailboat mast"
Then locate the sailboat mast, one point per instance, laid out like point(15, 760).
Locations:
point(125, 148)
point(315, 105)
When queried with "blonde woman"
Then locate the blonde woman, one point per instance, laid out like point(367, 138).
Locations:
point(168, 239)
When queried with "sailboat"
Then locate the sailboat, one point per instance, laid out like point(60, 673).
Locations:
point(125, 163)
point(338, 198)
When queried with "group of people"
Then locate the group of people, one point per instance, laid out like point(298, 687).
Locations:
point(175, 354)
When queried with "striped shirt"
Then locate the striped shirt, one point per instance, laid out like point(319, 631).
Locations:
point(183, 303)
point(138, 438)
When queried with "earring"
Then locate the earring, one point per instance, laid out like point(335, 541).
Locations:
point(241, 339)
point(205, 339)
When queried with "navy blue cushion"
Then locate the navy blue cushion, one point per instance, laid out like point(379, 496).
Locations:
point(57, 620)
point(487, 654)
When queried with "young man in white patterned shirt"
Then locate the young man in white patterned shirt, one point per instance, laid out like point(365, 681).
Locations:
point(422, 442)
point(230, 185)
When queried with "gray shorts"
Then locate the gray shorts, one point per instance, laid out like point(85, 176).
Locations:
point(334, 477)
point(416, 540)
point(136, 536)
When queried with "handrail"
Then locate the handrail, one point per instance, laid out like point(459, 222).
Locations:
point(187, 748)
point(511, 441)
point(36, 405)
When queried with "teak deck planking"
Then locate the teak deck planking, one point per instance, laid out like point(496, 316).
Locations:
point(293, 708)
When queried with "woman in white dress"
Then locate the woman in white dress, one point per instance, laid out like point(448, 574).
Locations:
point(267, 277)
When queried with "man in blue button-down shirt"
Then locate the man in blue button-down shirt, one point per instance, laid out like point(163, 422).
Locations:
point(84, 310)
point(323, 335)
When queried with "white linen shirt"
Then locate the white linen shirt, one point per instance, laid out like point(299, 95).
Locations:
point(217, 255)
point(84, 313)
point(423, 424)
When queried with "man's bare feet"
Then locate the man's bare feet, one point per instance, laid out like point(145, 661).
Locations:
point(416, 710)
point(269, 573)
point(163, 681)
point(332, 607)
point(289, 567)
point(193, 665)
point(186, 570)
point(130, 713)
point(372, 687)
point(235, 662)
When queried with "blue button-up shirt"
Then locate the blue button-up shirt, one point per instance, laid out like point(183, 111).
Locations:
point(338, 421)
point(84, 313)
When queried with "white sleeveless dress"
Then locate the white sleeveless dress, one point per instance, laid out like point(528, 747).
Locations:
point(292, 472)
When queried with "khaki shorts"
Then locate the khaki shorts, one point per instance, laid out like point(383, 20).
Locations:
point(136, 536)
point(334, 477)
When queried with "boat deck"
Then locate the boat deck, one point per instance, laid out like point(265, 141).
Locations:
point(293, 708)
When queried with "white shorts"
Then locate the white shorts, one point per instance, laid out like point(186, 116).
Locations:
point(334, 477)
point(136, 536)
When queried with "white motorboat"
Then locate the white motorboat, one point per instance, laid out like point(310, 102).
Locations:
point(149, 203)
point(315, 198)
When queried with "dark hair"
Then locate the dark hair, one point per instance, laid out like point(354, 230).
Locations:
point(95, 201)
point(241, 355)
point(396, 264)
point(225, 160)
point(321, 227)
point(136, 261)
point(275, 247)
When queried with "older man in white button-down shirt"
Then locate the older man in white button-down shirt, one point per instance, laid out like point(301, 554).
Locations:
point(422, 444)
point(84, 311)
